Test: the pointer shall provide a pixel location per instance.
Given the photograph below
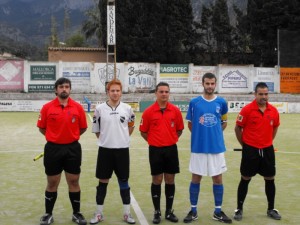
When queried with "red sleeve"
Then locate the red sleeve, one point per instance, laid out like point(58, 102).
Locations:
point(83, 122)
point(144, 124)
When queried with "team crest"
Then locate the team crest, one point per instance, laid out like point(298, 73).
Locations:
point(240, 118)
point(218, 109)
point(122, 119)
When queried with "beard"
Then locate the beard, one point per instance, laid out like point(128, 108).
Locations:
point(64, 95)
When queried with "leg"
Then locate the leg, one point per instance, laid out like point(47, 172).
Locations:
point(218, 190)
point(170, 193)
point(156, 193)
point(270, 190)
point(51, 192)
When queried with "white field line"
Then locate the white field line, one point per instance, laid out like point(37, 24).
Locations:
point(137, 209)
point(146, 148)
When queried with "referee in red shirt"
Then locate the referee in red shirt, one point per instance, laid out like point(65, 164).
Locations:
point(256, 127)
point(62, 121)
point(161, 126)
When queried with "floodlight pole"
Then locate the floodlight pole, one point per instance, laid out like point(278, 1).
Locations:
point(111, 38)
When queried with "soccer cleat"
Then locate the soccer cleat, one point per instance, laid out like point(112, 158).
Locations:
point(274, 214)
point(238, 214)
point(46, 219)
point(191, 216)
point(128, 218)
point(171, 216)
point(221, 217)
point(156, 217)
point(98, 217)
point(78, 218)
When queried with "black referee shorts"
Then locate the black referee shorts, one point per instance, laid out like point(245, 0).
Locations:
point(261, 161)
point(164, 160)
point(59, 157)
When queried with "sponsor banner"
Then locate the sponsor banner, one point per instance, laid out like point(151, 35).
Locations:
point(236, 106)
point(41, 88)
point(111, 25)
point(42, 72)
point(234, 79)
point(267, 75)
point(140, 77)
point(21, 105)
point(290, 80)
point(12, 75)
point(103, 73)
point(176, 75)
point(196, 77)
point(79, 74)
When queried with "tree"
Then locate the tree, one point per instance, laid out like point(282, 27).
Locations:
point(54, 37)
point(67, 24)
point(76, 40)
point(93, 26)
point(222, 30)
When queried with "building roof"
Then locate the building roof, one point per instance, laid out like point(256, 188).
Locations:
point(76, 49)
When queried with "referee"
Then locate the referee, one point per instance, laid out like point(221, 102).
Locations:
point(256, 127)
point(62, 121)
point(161, 126)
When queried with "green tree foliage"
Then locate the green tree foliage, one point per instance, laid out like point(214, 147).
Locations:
point(76, 40)
point(54, 42)
point(265, 17)
point(152, 31)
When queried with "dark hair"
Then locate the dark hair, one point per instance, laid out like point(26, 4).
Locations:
point(161, 84)
point(112, 82)
point(209, 76)
point(62, 80)
point(260, 85)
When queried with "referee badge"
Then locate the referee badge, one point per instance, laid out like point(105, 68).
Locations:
point(240, 118)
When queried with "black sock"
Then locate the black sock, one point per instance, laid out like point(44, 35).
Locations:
point(242, 192)
point(50, 199)
point(169, 192)
point(155, 193)
point(101, 193)
point(125, 195)
point(270, 193)
point(75, 201)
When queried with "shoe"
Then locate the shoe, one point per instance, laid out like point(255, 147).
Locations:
point(171, 216)
point(46, 219)
point(221, 217)
point(78, 218)
point(129, 219)
point(98, 217)
point(191, 216)
point(238, 214)
point(274, 214)
point(156, 217)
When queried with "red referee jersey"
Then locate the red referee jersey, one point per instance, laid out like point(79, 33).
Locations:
point(62, 124)
point(258, 127)
point(161, 126)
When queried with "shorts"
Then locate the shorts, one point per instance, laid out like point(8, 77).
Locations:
point(261, 161)
point(59, 157)
point(205, 164)
point(163, 160)
point(113, 160)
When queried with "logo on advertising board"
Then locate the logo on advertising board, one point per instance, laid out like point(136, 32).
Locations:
point(110, 73)
point(142, 77)
point(234, 79)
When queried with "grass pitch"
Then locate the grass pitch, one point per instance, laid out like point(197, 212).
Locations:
point(23, 181)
